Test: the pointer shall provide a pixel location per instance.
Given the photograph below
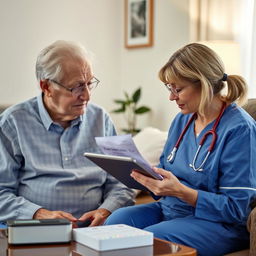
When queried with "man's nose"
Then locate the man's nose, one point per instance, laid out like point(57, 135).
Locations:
point(85, 94)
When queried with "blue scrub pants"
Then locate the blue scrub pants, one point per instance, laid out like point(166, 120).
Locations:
point(209, 238)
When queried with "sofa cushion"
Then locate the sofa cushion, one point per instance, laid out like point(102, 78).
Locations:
point(240, 253)
point(150, 142)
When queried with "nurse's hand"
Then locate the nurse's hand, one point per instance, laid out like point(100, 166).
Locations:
point(169, 186)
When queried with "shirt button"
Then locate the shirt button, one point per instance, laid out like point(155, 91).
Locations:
point(66, 158)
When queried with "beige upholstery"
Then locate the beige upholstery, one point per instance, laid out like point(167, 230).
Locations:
point(150, 143)
point(250, 107)
point(240, 253)
point(251, 226)
point(2, 108)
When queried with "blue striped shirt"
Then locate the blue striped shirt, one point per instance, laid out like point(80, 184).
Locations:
point(42, 164)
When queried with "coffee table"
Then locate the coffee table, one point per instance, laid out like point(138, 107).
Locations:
point(160, 248)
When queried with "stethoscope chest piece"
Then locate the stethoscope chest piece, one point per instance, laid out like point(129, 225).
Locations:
point(195, 169)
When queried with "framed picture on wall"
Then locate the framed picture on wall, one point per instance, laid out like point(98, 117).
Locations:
point(138, 23)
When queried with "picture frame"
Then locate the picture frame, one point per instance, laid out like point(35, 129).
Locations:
point(138, 23)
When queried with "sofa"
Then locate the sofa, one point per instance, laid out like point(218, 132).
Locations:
point(2, 108)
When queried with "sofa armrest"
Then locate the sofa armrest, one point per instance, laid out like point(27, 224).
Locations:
point(251, 226)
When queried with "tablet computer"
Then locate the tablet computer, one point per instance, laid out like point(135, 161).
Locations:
point(121, 167)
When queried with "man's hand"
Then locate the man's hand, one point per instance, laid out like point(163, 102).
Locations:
point(46, 214)
point(97, 217)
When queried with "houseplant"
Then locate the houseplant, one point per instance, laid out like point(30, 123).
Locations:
point(129, 107)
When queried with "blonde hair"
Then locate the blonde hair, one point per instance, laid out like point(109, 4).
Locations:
point(198, 64)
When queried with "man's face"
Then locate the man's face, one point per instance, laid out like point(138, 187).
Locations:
point(62, 104)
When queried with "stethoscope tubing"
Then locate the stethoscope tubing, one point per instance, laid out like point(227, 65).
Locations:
point(212, 132)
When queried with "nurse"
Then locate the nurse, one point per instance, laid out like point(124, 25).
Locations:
point(208, 163)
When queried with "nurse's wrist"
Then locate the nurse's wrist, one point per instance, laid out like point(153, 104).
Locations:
point(188, 195)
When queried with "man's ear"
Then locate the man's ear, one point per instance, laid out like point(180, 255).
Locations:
point(45, 87)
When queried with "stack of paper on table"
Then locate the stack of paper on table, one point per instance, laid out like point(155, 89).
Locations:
point(112, 237)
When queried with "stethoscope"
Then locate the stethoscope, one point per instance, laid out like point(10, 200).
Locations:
point(212, 132)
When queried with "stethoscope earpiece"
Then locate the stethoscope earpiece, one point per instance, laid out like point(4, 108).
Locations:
point(171, 157)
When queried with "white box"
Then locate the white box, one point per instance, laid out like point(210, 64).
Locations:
point(39, 231)
point(81, 249)
point(112, 237)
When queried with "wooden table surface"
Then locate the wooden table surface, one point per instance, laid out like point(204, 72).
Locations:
point(160, 248)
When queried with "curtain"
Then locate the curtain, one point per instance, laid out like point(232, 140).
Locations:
point(228, 20)
point(246, 37)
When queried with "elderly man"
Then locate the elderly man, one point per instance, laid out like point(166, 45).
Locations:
point(43, 173)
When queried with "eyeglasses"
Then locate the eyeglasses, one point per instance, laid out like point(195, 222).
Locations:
point(171, 89)
point(79, 89)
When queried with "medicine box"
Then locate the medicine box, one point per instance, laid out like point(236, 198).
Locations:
point(32, 231)
point(112, 237)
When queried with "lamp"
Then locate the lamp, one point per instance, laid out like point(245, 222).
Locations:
point(229, 52)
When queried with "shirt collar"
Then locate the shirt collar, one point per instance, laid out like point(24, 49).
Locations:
point(77, 121)
point(46, 119)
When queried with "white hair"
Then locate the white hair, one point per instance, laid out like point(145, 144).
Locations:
point(49, 64)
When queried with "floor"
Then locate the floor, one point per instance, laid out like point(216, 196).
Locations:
point(144, 198)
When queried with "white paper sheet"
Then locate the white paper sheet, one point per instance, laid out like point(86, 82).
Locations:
point(122, 145)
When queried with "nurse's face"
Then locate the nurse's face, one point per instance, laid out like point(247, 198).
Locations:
point(186, 94)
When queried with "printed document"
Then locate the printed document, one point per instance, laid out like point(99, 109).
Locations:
point(122, 145)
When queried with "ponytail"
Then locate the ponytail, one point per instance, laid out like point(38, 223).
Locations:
point(236, 89)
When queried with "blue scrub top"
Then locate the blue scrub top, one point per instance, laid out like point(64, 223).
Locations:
point(227, 184)
point(3, 225)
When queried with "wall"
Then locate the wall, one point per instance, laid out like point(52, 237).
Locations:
point(27, 26)
point(140, 66)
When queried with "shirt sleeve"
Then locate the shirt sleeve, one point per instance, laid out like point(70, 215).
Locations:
point(116, 194)
point(231, 203)
point(11, 205)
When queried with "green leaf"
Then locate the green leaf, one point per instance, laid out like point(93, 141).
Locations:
point(119, 101)
point(142, 110)
point(126, 130)
point(136, 95)
point(119, 110)
point(131, 131)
